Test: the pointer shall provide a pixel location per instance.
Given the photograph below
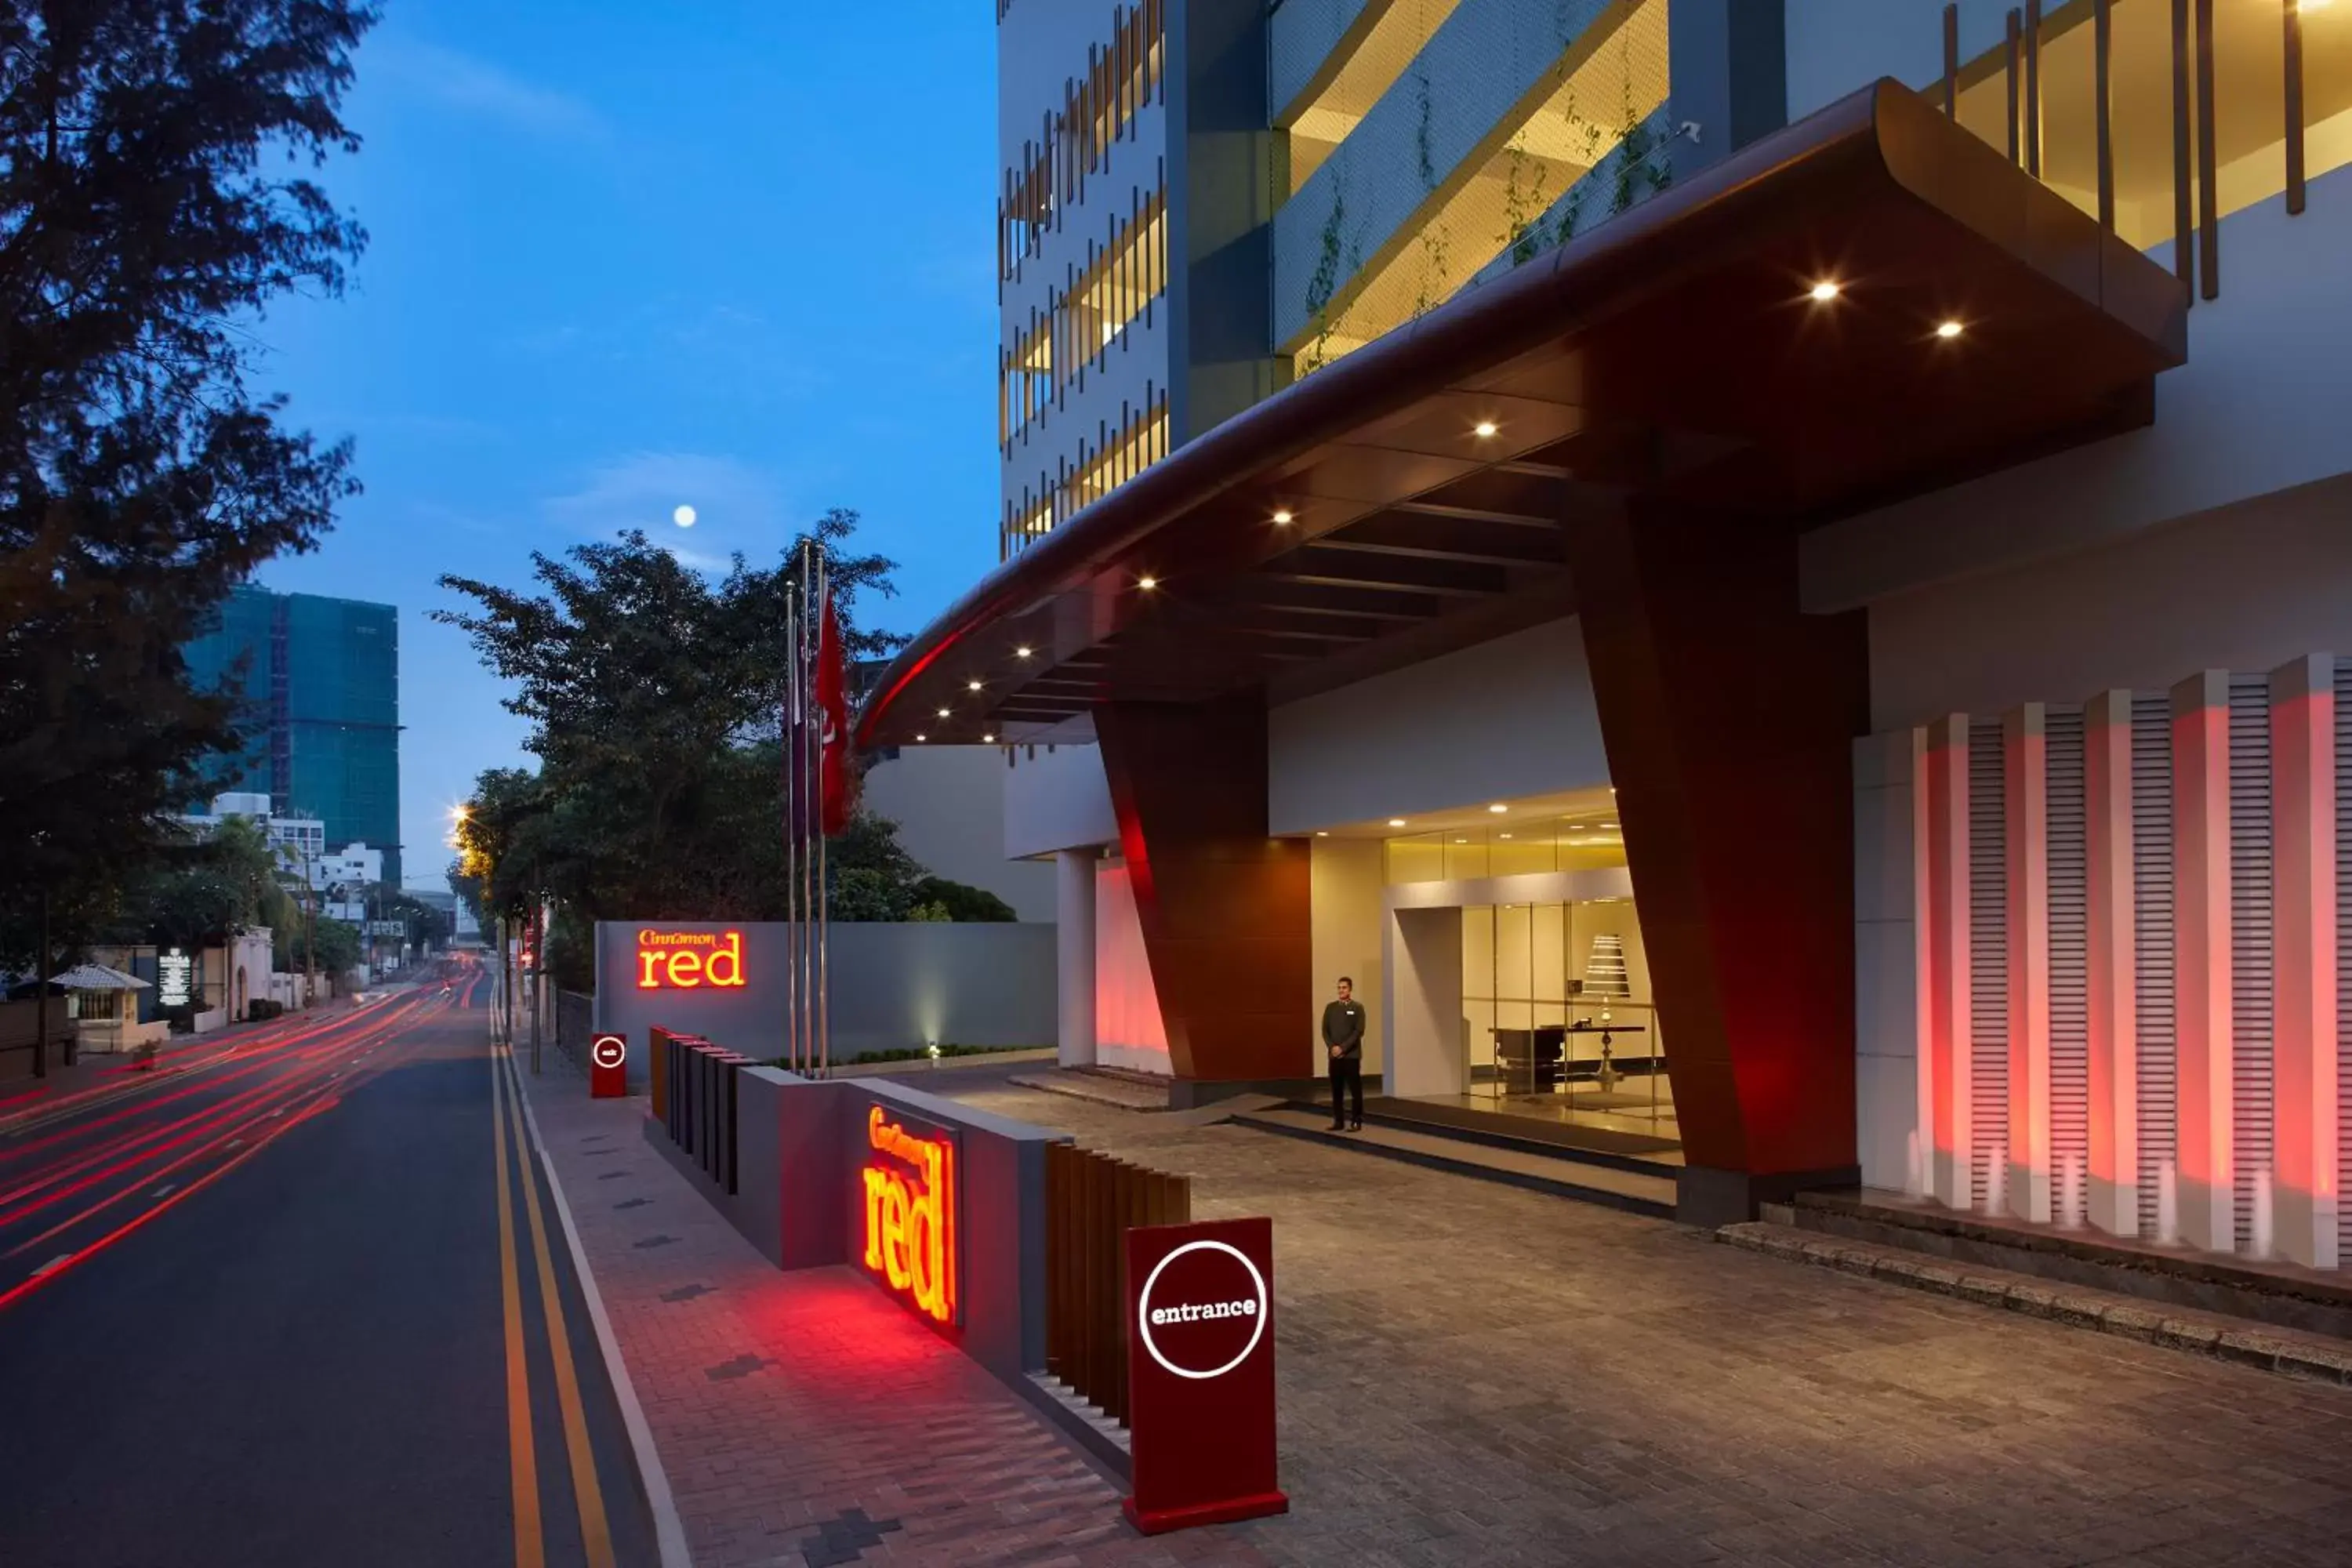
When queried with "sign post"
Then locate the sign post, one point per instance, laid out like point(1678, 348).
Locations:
point(1200, 1349)
point(608, 1066)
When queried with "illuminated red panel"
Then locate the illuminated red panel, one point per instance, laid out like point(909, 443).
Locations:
point(689, 959)
point(911, 1237)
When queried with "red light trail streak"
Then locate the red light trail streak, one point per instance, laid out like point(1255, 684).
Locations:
point(314, 1066)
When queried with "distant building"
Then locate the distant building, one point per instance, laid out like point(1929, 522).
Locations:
point(304, 837)
point(320, 679)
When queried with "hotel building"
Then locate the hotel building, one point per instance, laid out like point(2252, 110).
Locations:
point(1770, 580)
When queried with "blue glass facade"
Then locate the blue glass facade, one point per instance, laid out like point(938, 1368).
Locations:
point(320, 680)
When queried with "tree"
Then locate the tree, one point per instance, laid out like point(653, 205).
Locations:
point(153, 202)
point(656, 696)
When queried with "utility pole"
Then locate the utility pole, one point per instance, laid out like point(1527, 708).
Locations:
point(41, 994)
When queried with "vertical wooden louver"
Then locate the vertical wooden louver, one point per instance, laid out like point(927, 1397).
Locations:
point(2070, 1037)
point(2251, 947)
point(2152, 936)
point(1988, 956)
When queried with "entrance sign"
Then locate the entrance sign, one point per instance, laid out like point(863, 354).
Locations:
point(1200, 1348)
point(912, 1238)
point(608, 1066)
point(688, 960)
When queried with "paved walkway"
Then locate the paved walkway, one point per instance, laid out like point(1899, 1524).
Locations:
point(1473, 1374)
point(803, 1418)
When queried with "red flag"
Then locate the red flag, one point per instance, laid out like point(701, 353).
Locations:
point(832, 724)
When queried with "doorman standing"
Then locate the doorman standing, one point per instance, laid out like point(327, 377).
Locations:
point(1343, 1036)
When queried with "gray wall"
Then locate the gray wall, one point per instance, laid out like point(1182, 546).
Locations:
point(948, 803)
point(801, 1144)
point(893, 986)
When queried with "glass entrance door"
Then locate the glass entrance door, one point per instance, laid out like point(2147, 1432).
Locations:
point(1559, 1016)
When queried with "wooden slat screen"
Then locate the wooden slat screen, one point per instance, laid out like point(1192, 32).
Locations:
point(1092, 1200)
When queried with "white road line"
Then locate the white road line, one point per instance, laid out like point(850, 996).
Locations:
point(59, 1262)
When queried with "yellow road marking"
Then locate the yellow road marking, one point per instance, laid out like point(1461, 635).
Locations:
point(596, 1533)
point(531, 1549)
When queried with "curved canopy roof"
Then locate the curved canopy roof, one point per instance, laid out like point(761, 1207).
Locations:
point(1427, 490)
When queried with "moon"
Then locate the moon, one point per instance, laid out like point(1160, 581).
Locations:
point(683, 517)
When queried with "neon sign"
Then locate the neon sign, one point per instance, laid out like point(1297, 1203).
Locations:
point(910, 1240)
point(688, 960)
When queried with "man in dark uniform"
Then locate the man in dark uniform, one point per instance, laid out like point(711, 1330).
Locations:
point(1343, 1037)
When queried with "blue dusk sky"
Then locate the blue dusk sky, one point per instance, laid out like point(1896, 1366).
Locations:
point(625, 256)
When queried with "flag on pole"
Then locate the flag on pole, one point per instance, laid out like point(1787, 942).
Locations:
point(832, 696)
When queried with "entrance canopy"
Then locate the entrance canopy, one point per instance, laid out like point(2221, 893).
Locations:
point(1863, 306)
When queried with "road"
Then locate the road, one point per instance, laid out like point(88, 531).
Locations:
point(300, 1297)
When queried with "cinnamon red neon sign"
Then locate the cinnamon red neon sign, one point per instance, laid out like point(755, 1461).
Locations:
point(910, 1238)
point(688, 960)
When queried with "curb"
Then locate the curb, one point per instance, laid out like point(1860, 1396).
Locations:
point(669, 1530)
point(2309, 1356)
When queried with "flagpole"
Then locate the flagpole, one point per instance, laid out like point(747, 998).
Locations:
point(825, 911)
point(805, 826)
point(790, 738)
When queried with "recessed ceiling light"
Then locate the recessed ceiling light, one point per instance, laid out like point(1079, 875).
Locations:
point(1322, 832)
point(1022, 652)
point(1499, 807)
point(943, 713)
point(1462, 841)
point(1484, 428)
point(1396, 822)
point(920, 739)
point(972, 686)
point(1506, 836)
point(988, 739)
point(1146, 583)
point(1949, 329)
point(1824, 291)
point(1577, 827)
point(1282, 516)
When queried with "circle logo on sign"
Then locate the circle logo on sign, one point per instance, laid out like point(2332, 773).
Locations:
point(1257, 1318)
point(609, 1051)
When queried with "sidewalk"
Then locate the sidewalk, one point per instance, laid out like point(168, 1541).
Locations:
point(803, 1418)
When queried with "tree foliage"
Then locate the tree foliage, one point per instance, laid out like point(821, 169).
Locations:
point(155, 196)
point(656, 696)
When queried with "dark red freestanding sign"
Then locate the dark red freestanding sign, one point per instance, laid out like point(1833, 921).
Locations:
point(1200, 1356)
point(608, 1066)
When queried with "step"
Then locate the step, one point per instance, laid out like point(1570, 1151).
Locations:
point(1589, 1145)
point(2277, 1294)
point(1547, 1172)
point(1128, 1091)
point(2320, 1357)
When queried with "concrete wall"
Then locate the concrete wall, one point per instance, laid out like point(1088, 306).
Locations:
point(1887, 970)
point(1511, 717)
point(801, 1144)
point(2248, 588)
point(893, 986)
point(1344, 893)
point(948, 803)
point(1058, 799)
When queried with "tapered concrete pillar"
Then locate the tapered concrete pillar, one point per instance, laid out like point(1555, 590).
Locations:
point(2026, 807)
point(2200, 915)
point(1946, 918)
point(2304, 914)
point(1074, 917)
point(2113, 961)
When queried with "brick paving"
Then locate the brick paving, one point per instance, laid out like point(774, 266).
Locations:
point(1470, 1374)
point(1473, 1374)
point(803, 1418)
